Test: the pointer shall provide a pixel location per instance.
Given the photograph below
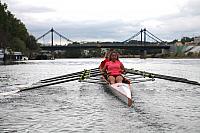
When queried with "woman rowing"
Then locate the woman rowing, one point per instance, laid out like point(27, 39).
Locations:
point(114, 68)
point(101, 66)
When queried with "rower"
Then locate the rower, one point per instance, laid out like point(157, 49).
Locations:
point(101, 66)
point(114, 68)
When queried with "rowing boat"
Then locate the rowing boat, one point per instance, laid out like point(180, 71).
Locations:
point(121, 91)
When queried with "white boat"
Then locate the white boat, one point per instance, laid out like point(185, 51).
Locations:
point(24, 58)
point(122, 91)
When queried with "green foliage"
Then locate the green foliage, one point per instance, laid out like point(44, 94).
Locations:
point(95, 53)
point(18, 45)
point(186, 39)
point(174, 41)
point(73, 53)
point(31, 43)
point(13, 32)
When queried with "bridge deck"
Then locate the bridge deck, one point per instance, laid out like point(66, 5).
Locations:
point(135, 47)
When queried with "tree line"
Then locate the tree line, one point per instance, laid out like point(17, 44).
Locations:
point(13, 33)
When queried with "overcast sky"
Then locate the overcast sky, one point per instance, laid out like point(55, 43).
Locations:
point(109, 20)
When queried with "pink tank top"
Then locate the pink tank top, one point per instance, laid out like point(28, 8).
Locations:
point(113, 68)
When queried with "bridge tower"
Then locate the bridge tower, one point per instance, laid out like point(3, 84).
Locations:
point(144, 33)
point(51, 36)
point(51, 32)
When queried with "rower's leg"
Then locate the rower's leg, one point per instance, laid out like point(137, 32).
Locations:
point(119, 79)
point(111, 79)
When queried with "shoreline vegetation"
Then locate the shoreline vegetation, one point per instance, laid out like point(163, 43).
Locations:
point(14, 35)
point(14, 38)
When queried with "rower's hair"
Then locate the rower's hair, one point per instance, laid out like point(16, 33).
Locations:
point(112, 53)
point(107, 54)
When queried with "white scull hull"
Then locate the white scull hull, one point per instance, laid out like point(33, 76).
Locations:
point(122, 91)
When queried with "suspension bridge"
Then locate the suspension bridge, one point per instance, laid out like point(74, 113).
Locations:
point(131, 43)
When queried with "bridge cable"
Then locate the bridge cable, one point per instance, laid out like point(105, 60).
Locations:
point(154, 36)
point(62, 36)
point(132, 37)
point(43, 35)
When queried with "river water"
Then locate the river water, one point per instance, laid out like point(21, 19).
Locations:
point(159, 106)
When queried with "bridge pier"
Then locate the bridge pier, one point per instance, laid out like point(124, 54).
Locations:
point(143, 54)
point(164, 51)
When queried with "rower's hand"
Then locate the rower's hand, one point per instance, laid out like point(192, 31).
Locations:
point(102, 72)
point(123, 71)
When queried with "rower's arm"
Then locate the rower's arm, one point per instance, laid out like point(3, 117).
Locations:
point(103, 70)
point(123, 69)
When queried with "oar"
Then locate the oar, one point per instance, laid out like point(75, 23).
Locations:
point(59, 82)
point(160, 76)
point(133, 76)
point(69, 75)
point(48, 84)
point(38, 86)
point(52, 81)
point(66, 75)
point(94, 82)
point(142, 80)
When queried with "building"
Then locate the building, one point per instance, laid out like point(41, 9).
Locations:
point(197, 40)
point(16, 56)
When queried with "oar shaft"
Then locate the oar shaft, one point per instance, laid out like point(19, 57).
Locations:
point(66, 75)
point(142, 80)
point(56, 82)
point(48, 84)
point(86, 81)
point(160, 76)
point(176, 79)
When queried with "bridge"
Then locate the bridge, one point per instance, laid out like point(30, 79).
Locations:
point(143, 45)
point(105, 45)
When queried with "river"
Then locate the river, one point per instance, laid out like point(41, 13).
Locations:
point(159, 106)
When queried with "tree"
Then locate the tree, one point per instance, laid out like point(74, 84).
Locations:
point(73, 53)
point(13, 32)
point(186, 39)
point(18, 45)
point(175, 41)
point(3, 33)
point(31, 43)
